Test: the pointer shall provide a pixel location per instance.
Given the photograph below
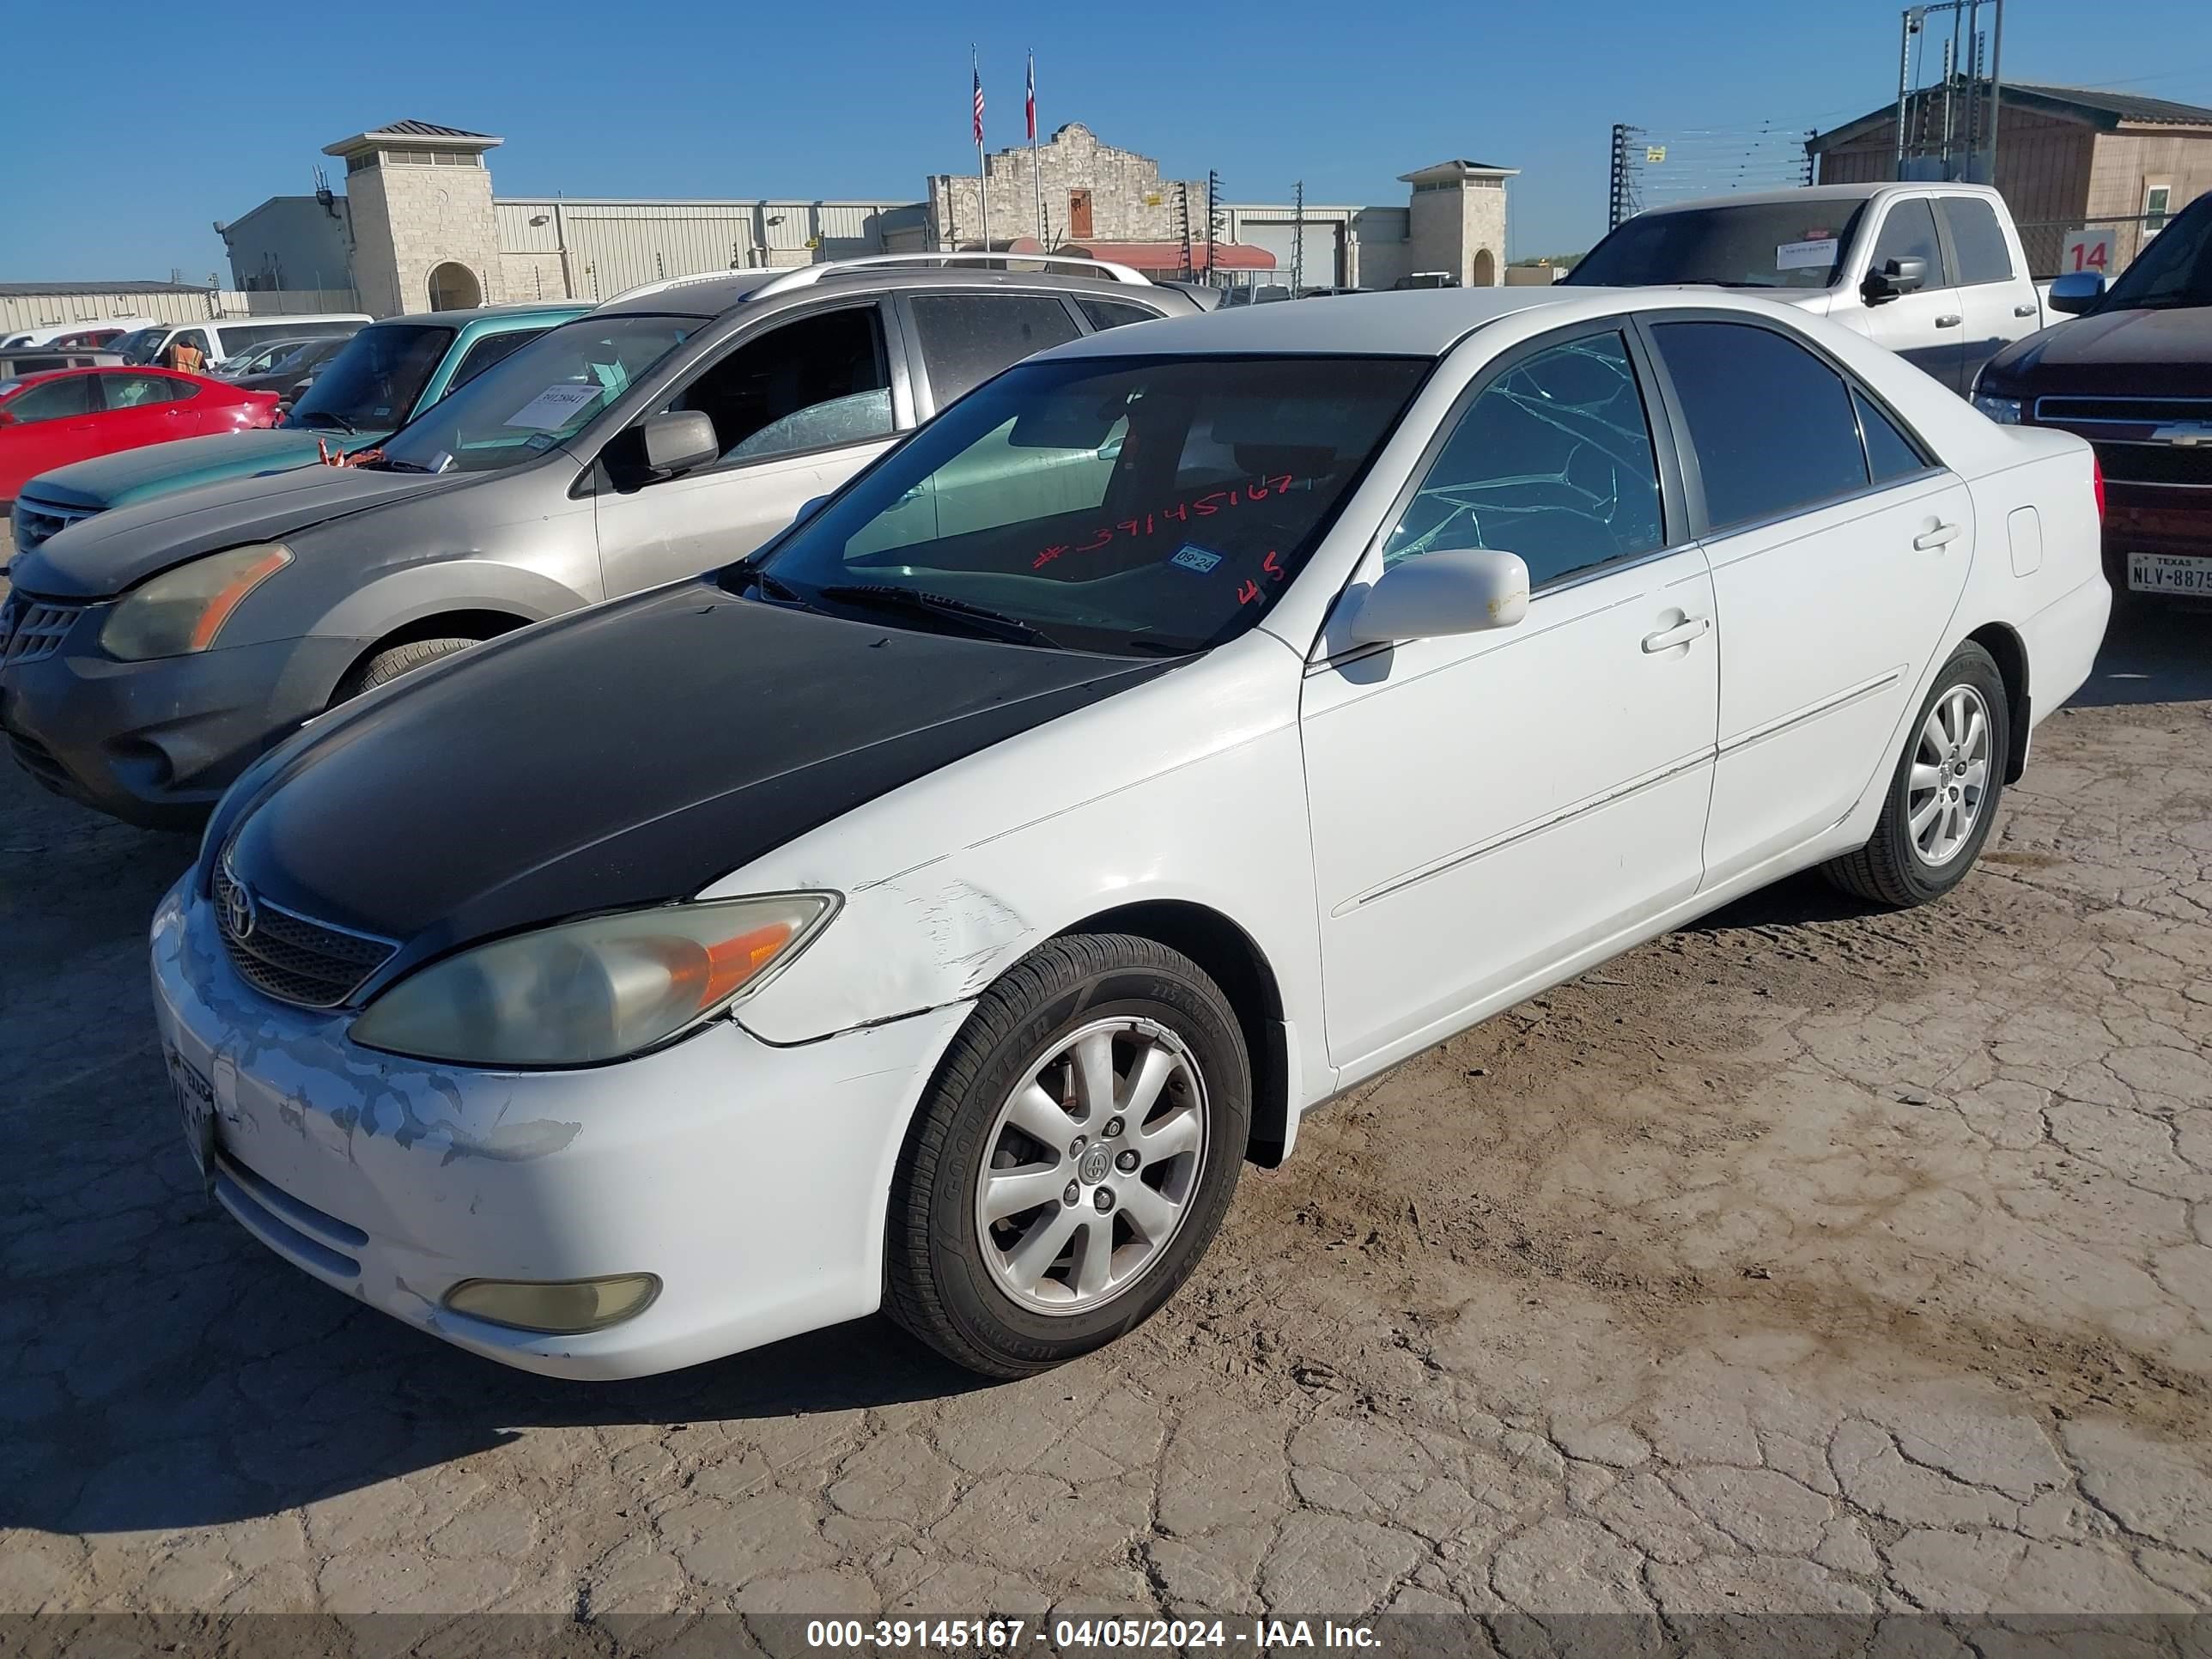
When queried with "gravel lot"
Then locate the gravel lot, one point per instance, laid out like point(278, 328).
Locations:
point(1803, 1260)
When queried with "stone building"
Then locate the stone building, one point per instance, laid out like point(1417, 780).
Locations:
point(418, 227)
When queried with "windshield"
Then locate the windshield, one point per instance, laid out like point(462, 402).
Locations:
point(524, 404)
point(140, 344)
point(1109, 504)
point(1797, 245)
point(2175, 270)
point(371, 383)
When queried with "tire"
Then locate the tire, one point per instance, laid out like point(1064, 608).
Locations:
point(952, 1276)
point(389, 664)
point(1898, 866)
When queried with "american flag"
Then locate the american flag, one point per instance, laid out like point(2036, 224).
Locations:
point(1029, 101)
point(978, 71)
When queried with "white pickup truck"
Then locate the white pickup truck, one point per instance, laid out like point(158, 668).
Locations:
point(1934, 271)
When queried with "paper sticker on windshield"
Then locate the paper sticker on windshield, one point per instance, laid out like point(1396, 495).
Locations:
point(538, 440)
point(1806, 255)
point(554, 407)
point(1191, 557)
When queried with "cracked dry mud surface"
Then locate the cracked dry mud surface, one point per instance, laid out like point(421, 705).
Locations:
point(1807, 1259)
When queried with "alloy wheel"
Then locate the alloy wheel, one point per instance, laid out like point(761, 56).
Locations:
point(1950, 777)
point(1091, 1165)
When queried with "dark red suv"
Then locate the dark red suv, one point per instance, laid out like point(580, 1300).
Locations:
point(2133, 374)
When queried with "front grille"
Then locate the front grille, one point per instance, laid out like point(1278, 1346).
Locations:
point(36, 522)
point(2123, 411)
point(2155, 463)
point(32, 630)
point(288, 956)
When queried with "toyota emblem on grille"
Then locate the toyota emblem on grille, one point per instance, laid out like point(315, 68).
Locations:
point(238, 913)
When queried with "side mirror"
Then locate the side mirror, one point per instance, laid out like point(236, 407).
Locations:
point(807, 510)
point(679, 440)
point(1893, 278)
point(2077, 291)
point(1438, 594)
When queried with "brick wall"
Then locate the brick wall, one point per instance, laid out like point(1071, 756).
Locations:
point(1129, 200)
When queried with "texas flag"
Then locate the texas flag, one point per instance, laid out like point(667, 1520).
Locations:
point(1030, 101)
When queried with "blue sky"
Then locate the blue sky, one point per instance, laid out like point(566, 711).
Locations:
point(863, 98)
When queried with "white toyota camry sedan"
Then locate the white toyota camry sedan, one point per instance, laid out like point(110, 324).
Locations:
point(936, 910)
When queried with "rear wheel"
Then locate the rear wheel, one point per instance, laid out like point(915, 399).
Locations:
point(1072, 1159)
point(1944, 797)
point(389, 664)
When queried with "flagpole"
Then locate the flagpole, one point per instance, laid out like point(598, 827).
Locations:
point(982, 171)
point(1037, 171)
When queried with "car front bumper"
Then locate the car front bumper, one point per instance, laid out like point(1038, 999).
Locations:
point(751, 1179)
point(157, 742)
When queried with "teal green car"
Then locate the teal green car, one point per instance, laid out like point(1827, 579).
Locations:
point(387, 375)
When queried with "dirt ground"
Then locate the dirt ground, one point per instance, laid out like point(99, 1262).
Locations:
point(1806, 1258)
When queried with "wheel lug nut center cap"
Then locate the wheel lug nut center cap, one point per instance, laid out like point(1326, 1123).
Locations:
point(1096, 1163)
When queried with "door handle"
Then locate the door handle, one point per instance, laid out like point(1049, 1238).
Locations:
point(1680, 634)
point(2023, 310)
point(1951, 321)
point(1942, 535)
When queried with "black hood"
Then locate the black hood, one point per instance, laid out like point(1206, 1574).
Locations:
point(623, 756)
point(2165, 353)
point(112, 552)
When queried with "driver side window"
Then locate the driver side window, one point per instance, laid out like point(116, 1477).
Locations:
point(813, 383)
point(1552, 461)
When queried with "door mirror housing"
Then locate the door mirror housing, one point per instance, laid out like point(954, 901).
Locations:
point(2077, 291)
point(807, 509)
point(1467, 590)
point(679, 440)
point(1894, 279)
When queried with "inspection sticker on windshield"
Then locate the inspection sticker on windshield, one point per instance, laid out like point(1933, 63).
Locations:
point(1192, 557)
point(554, 407)
point(1805, 256)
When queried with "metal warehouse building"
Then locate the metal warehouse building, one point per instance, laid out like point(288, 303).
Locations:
point(417, 226)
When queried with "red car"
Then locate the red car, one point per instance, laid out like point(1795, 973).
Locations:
point(63, 414)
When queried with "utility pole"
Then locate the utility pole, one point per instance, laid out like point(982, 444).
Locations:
point(1996, 89)
point(1213, 207)
point(1182, 213)
point(1299, 240)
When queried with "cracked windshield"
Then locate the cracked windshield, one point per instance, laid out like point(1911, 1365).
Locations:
point(1104, 504)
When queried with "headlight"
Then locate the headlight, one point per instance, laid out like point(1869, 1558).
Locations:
point(589, 990)
point(182, 610)
point(2005, 411)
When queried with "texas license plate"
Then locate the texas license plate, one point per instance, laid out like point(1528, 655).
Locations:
point(2169, 573)
point(196, 1098)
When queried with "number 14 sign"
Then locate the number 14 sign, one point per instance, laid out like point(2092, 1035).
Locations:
point(2088, 250)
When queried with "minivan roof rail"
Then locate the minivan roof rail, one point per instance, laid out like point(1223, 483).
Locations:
point(668, 282)
point(801, 275)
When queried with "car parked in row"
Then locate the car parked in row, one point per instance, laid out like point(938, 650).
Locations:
point(66, 336)
point(380, 379)
point(2134, 376)
point(226, 337)
point(936, 909)
point(257, 359)
point(664, 434)
point(1934, 271)
point(290, 374)
point(51, 419)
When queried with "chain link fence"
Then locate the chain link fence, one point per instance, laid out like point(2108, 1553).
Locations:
point(2046, 244)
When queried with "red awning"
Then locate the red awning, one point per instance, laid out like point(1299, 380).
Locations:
point(1155, 256)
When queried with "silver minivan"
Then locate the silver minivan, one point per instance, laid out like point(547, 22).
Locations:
point(148, 654)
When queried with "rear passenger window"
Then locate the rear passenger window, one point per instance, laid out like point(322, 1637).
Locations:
point(1113, 314)
point(489, 350)
point(966, 339)
point(1553, 460)
point(1889, 453)
point(1772, 425)
point(1909, 233)
point(1978, 239)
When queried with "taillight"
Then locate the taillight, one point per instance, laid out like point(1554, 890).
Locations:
point(2097, 483)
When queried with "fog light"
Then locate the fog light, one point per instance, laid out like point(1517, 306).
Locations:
point(564, 1308)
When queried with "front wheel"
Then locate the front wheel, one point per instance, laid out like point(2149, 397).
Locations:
point(1943, 797)
point(1072, 1159)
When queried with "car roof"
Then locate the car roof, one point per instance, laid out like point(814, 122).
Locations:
point(1404, 323)
point(711, 295)
point(461, 316)
point(1858, 193)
